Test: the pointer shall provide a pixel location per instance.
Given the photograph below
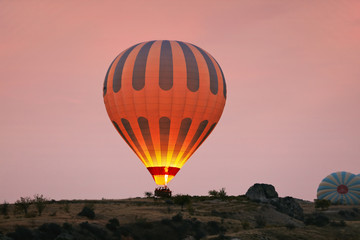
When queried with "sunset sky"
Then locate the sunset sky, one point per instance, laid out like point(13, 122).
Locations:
point(292, 114)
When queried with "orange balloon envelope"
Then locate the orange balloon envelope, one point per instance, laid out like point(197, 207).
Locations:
point(164, 98)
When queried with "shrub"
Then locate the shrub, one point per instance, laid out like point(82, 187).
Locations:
point(53, 214)
point(122, 232)
point(31, 214)
point(177, 218)
point(21, 233)
point(50, 230)
point(317, 219)
point(113, 224)
point(213, 193)
point(4, 208)
point(290, 226)
point(67, 226)
point(87, 212)
point(40, 203)
point(182, 200)
point(323, 204)
point(222, 193)
point(67, 207)
point(218, 194)
point(213, 227)
point(245, 225)
point(142, 222)
point(260, 221)
point(148, 194)
point(191, 209)
point(166, 221)
point(95, 230)
point(23, 204)
point(348, 214)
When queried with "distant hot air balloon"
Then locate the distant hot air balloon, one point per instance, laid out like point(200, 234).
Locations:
point(340, 187)
point(164, 98)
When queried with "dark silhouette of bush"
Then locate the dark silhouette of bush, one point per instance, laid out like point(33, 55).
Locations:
point(87, 212)
point(67, 226)
point(142, 222)
point(323, 204)
point(23, 204)
point(122, 232)
point(166, 221)
point(31, 214)
point(245, 225)
point(94, 230)
point(113, 224)
point(4, 208)
point(260, 221)
point(290, 226)
point(148, 194)
point(218, 194)
point(40, 203)
point(349, 214)
point(214, 227)
point(317, 219)
point(21, 233)
point(182, 200)
point(67, 207)
point(222, 193)
point(49, 231)
point(177, 218)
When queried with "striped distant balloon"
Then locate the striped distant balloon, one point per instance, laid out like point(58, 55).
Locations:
point(340, 187)
point(164, 98)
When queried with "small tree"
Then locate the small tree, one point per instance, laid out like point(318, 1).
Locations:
point(40, 203)
point(222, 193)
point(148, 194)
point(4, 208)
point(218, 194)
point(323, 204)
point(88, 211)
point(182, 200)
point(23, 204)
point(213, 193)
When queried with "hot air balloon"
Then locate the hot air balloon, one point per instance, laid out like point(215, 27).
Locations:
point(164, 98)
point(340, 187)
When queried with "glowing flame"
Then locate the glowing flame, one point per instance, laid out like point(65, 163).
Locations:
point(166, 179)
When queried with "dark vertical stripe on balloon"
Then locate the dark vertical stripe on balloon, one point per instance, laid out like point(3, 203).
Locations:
point(206, 135)
point(132, 136)
point(138, 80)
point(198, 133)
point(145, 130)
point(119, 69)
point(106, 78)
point(184, 129)
point(222, 74)
point(164, 125)
point(191, 68)
point(122, 135)
point(212, 71)
point(166, 66)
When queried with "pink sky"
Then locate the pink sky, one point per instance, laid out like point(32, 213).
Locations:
point(291, 118)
